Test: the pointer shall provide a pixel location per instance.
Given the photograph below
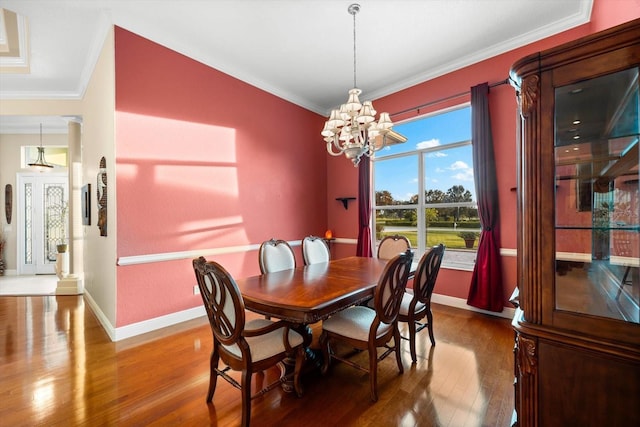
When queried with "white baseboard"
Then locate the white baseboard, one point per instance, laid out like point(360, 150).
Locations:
point(158, 323)
point(507, 312)
point(106, 325)
point(117, 334)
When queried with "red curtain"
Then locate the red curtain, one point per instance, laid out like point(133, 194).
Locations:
point(486, 282)
point(364, 208)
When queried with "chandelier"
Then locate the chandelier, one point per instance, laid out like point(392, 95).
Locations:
point(40, 162)
point(352, 129)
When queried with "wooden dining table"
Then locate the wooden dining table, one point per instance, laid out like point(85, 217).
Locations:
point(308, 294)
point(311, 293)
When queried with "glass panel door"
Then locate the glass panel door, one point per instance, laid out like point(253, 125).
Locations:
point(42, 221)
point(597, 222)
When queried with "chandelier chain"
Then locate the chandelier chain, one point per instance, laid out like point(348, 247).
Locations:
point(352, 129)
point(354, 48)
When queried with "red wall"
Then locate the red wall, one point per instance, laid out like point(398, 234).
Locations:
point(342, 178)
point(204, 161)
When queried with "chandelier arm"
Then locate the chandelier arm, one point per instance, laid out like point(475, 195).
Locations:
point(332, 144)
point(361, 137)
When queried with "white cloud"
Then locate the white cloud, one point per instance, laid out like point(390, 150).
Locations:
point(465, 175)
point(459, 165)
point(428, 144)
point(400, 197)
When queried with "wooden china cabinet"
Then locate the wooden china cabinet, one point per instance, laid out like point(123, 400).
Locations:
point(577, 353)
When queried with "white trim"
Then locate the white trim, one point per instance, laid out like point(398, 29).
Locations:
point(19, 64)
point(346, 241)
point(507, 312)
point(150, 325)
point(624, 261)
point(172, 256)
point(508, 252)
point(571, 256)
point(102, 318)
point(102, 31)
point(583, 16)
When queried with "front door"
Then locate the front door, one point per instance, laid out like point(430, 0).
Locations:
point(42, 220)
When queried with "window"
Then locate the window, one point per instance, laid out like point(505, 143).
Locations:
point(424, 189)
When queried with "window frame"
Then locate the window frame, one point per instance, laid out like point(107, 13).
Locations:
point(421, 206)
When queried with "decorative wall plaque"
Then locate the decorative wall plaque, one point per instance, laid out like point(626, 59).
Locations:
point(8, 202)
point(101, 193)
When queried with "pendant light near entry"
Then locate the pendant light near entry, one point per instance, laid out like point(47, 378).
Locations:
point(40, 163)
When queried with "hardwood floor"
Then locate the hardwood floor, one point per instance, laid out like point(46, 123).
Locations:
point(58, 367)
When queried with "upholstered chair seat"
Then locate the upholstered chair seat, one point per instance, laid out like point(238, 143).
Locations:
point(355, 323)
point(406, 303)
point(368, 329)
point(264, 346)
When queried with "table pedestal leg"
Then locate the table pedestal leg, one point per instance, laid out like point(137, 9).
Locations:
point(313, 359)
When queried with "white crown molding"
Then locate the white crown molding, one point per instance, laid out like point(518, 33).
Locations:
point(18, 64)
point(583, 16)
point(104, 26)
point(28, 125)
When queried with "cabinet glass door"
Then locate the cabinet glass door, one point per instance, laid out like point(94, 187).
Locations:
point(597, 224)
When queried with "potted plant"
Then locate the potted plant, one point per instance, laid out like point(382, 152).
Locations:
point(469, 238)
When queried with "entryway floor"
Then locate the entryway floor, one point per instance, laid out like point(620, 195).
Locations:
point(41, 284)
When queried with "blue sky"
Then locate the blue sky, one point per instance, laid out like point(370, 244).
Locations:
point(443, 168)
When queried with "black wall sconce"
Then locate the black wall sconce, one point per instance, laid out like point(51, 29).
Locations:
point(345, 201)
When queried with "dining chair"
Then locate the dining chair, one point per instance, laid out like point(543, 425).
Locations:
point(391, 246)
point(315, 250)
point(275, 255)
point(417, 306)
point(250, 347)
point(363, 328)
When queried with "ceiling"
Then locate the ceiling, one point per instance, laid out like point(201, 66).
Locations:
point(299, 50)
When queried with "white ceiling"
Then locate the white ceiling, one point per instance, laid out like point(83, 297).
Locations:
point(300, 50)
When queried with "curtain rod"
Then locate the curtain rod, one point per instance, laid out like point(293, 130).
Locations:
point(448, 98)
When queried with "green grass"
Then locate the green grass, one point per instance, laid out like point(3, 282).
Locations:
point(449, 238)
